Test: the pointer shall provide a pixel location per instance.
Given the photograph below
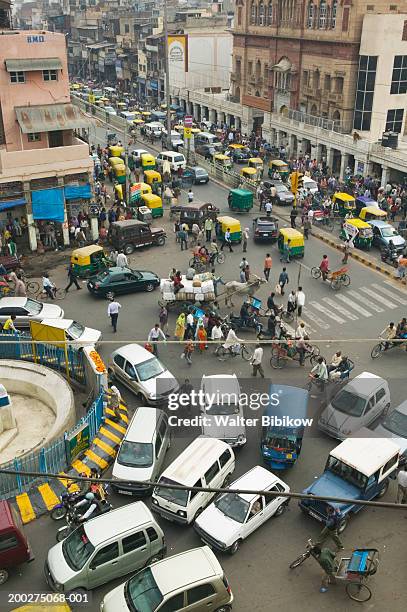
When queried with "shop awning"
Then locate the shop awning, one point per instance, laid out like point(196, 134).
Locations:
point(48, 204)
point(77, 192)
point(7, 204)
point(29, 65)
point(50, 117)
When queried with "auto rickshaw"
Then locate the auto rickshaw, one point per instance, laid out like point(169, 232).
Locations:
point(119, 171)
point(235, 146)
point(150, 176)
point(146, 115)
point(343, 204)
point(224, 223)
point(372, 213)
point(147, 161)
point(279, 166)
point(115, 161)
point(363, 201)
point(116, 150)
point(240, 200)
point(359, 232)
point(222, 160)
point(154, 203)
point(138, 122)
point(249, 173)
point(121, 106)
point(89, 260)
point(296, 246)
point(144, 214)
point(257, 163)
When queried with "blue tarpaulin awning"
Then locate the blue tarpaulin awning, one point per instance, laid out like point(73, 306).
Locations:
point(6, 204)
point(76, 192)
point(48, 204)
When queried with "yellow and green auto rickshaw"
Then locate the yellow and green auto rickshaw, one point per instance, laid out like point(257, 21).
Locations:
point(240, 200)
point(343, 204)
point(119, 171)
point(115, 161)
point(116, 150)
point(257, 163)
point(250, 174)
point(138, 122)
point(360, 232)
point(225, 223)
point(150, 176)
point(222, 160)
point(373, 213)
point(290, 243)
point(121, 106)
point(280, 167)
point(147, 161)
point(89, 260)
point(154, 203)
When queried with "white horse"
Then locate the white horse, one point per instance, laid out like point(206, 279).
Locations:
point(250, 288)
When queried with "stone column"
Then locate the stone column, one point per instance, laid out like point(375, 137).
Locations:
point(344, 158)
point(314, 150)
point(330, 157)
point(385, 176)
point(212, 115)
point(65, 228)
point(32, 238)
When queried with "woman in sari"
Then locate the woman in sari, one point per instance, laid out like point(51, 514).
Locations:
point(201, 335)
point(180, 327)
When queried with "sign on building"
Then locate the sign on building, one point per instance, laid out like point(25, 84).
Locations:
point(178, 50)
point(77, 441)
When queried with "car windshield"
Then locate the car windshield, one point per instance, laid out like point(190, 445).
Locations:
point(349, 403)
point(226, 408)
point(77, 549)
point(346, 472)
point(102, 275)
point(282, 443)
point(135, 454)
point(396, 422)
point(388, 232)
point(142, 593)
point(75, 330)
point(199, 171)
point(149, 369)
point(33, 306)
point(177, 496)
point(281, 188)
point(265, 226)
point(178, 158)
point(233, 506)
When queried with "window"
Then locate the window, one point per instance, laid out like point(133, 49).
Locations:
point(106, 554)
point(152, 534)
point(345, 19)
point(197, 484)
point(404, 34)
point(239, 15)
point(253, 14)
point(365, 92)
point(119, 361)
point(136, 540)
point(381, 393)
point(334, 11)
point(261, 14)
point(270, 13)
point(399, 76)
point(391, 463)
point(327, 83)
point(8, 541)
point(394, 120)
point(50, 75)
point(310, 15)
point(256, 507)
point(250, 68)
point(370, 404)
point(277, 489)
point(339, 85)
point(126, 28)
point(158, 444)
point(34, 137)
point(322, 15)
point(17, 77)
point(163, 428)
point(211, 473)
point(174, 604)
point(224, 458)
point(200, 592)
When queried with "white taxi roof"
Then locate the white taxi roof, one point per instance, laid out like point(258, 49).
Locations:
point(258, 479)
point(185, 568)
point(365, 454)
point(117, 521)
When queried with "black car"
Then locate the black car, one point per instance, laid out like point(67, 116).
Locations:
point(207, 151)
point(265, 229)
point(241, 156)
point(122, 280)
point(198, 175)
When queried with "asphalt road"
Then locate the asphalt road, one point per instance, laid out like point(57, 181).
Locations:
point(348, 320)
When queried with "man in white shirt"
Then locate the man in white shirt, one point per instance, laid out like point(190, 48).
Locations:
point(113, 312)
point(156, 334)
point(216, 333)
point(48, 286)
point(232, 341)
point(301, 332)
point(121, 261)
point(300, 300)
point(402, 486)
point(268, 207)
point(256, 361)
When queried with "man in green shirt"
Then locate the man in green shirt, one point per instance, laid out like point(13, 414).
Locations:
point(326, 559)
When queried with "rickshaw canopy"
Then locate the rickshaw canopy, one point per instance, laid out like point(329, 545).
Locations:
point(344, 197)
point(147, 160)
point(146, 113)
point(256, 161)
point(236, 146)
point(279, 164)
point(295, 237)
point(116, 150)
point(151, 200)
point(250, 172)
point(116, 161)
point(138, 121)
point(231, 223)
point(369, 212)
point(151, 176)
point(121, 104)
point(145, 188)
point(83, 256)
point(358, 223)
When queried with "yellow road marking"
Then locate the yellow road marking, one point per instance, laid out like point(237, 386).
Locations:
point(123, 416)
point(96, 459)
point(116, 426)
point(79, 466)
point(49, 496)
point(25, 507)
point(110, 435)
point(108, 449)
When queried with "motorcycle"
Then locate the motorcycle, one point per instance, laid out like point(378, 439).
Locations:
point(68, 500)
point(74, 515)
point(389, 256)
point(237, 323)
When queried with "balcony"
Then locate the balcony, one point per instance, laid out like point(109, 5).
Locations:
point(38, 163)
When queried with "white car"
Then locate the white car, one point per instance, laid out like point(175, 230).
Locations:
point(75, 331)
point(137, 153)
point(232, 517)
point(27, 309)
point(224, 419)
point(110, 110)
point(142, 373)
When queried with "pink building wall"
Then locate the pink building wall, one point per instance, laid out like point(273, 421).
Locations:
point(17, 45)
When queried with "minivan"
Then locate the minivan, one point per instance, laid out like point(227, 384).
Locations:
point(206, 138)
point(154, 128)
point(191, 580)
point(15, 549)
point(142, 451)
point(206, 462)
point(176, 160)
point(104, 548)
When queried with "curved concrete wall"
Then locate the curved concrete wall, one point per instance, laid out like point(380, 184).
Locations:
point(44, 384)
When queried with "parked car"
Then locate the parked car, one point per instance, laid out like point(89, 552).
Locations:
point(175, 160)
point(191, 580)
point(356, 405)
point(133, 234)
point(232, 517)
point(142, 373)
point(110, 110)
point(199, 175)
point(223, 420)
point(265, 229)
point(27, 309)
point(240, 156)
point(383, 232)
point(137, 153)
point(122, 280)
point(207, 151)
point(285, 197)
point(394, 426)
point(75, 331)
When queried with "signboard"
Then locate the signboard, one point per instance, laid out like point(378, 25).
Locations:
point(77, 441)
point(187, 132)
point(178, 51)
point(135, 192)
point(188, 121)
point(47, 333)
point(294, 182)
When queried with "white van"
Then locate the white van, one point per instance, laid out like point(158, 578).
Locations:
point(309, 185)
point(104, 548)
point(154, 128)
point(206, 462)
point(206, 138)
point(142, 451)
point(129, 116)
point(176, 160)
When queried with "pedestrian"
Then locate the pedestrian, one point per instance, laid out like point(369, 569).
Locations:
point(293, 216)
point(208, 229)
point(301, 332)
point(256, 361)
point(242, 276)
point(268, 262)
point(201, 335)
point(268, 207)
point(283, 280)
point(245, 238)
point(156, 334)
point(402, 486)
point(48, 286)
point(247, 273)
point(307, 227)
point(121, 261)
point(243, 263)
point(180, 327)
point(285, 256)
point(331, 528)
point(113, 312)
point(300, 300)
point(163, 318)
point(301, 346)
point(227, 241)
point(190, 196)
point(324, 267)
point(346, 250)
point(183, 238)
point(187, 353)
point(19, 288)
point(73, 279)
point(291, 303)
point(216, 332)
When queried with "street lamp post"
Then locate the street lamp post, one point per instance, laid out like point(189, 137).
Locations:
point(167, 76)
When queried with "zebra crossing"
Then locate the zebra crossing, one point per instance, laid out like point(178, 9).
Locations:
point(351, 305)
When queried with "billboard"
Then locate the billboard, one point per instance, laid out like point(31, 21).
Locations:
point(178, 51)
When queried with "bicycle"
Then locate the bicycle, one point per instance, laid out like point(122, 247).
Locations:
point(338, 278)
point(59, 294)
point(384, 347)
point(283, 353)
point(31, 286)
point(223, 353)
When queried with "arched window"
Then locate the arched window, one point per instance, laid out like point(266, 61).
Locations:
point(270, 13)
point(261, 14)
point(333, 14)
point(322, 15)
point(310, 15)
point(253, 14)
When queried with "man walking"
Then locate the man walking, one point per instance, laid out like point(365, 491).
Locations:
point(300, 300)
point(121, 260)
point(245, 237)
point(183, 238)
point(346, 251)
point(73, 279)
point(293, 216)
point(208, 229)
point(227, 241)
point(256, 361)
point(268, 263)
point(113, 312)
point(283, 280)
point(163, 317)
point(156, 334)
point(331, 528)
point(402, 486)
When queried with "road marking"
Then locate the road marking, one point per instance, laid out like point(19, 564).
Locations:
point(365, 301)
point(342, 310)
point(391, 294)
point(327, 312)
point(399, 288)
point(49, 496)
point(353, 305)
point(379, 298)
point(315, 319)
point(24, 505)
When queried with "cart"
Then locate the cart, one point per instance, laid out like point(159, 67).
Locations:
point(355, 572)
point(337, 278)
point(189, 295)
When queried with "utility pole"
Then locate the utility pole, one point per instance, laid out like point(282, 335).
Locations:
point(167, 76)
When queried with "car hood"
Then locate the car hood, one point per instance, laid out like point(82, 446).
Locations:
point(398, 240)
point(129, 474)
point(217, 525)
point(147, 275)
point(158, 230)
point(60, 570)
point(115, 601)
point(331, 485)
point(162, 384)
point(339, 422)
point(90, 336)
point(224, 428)
point(51, 311)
